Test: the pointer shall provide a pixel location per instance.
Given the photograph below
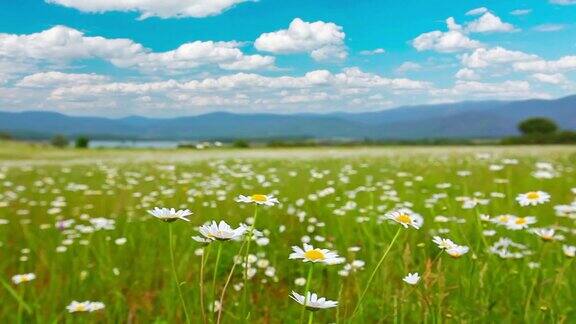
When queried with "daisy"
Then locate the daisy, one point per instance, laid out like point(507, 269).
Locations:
point(405, 217)
point(86, 306)
point(258, 199)
point(170, 215)
point(546, 234)
point(457, 251)
point(443, 244)
point(220, 232)
point(312, 302)
point(518, 223)
point(20, 278)
point(412, 278)
point(533, 198)
point(310, 254)
point(569, 250)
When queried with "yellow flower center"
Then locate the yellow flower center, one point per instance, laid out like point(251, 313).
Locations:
point(520, 221)
point(532, 195)
point(503, 219)
point(259, 198)
point(314, 255)
point(404, 219)
point(81, 308)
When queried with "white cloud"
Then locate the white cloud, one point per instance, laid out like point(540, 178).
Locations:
point(477, 11)
point(322, 40)
point(61, 44)
point(454, 40)
point(153, 8)
point(511, 89)
point(549, 27)
point(489, 23)
point(466, 74)
point(563, 64)
point(555, 78)
point(520, 12)
point(59, 79)
point(483, 57)
point(563, 2)
point(408, 66)
point(373, 52)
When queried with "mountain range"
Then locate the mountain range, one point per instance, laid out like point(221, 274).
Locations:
point(475, 119)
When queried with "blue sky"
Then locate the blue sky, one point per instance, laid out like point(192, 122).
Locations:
point(186, 57)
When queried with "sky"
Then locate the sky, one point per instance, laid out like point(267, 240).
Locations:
point(168, 58)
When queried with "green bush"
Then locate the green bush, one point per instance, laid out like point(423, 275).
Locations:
point(59, 141)
point(82, 142)
point(537, 125)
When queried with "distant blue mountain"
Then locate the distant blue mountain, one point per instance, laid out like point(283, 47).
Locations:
point(455, 120)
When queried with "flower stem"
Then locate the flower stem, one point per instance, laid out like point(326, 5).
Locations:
point(306, 290)
point(215, 273)
point(202, 307)
point(311, 318)
point(248, 240)
point(176, 275)
point(226, 284)
point(374, 273)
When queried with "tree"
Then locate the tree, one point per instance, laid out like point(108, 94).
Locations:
point(82, 142)
point(59, 141)
point(537, 126)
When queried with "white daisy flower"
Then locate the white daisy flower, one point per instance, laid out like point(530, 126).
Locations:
point(412, 278)
point(220, 232)
point(569, 250)
point(457, 251)
point(313, 303)
point(443, 244)
point(20, 278)
point(170, 214)
point(405, 217)
point(86, 306)
point(533, 198)
point(258, 199)
point(546, 234)
point(518, 223)
point(310, 254)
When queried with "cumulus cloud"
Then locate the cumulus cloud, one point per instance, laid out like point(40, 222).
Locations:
point(510, 89)
point(466, 74)
point(59, 79)
point(555, 78)
point(322, 40)
point(563, 2)
point(153, 8)
point(408, 66)
point(563, 64)
point(484, 57)
point(61, 44)
point(454, 40)
point(489, 23)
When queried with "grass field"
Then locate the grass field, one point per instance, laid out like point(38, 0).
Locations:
point(78, 221)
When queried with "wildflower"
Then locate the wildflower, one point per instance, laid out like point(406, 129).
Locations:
point(312, 302)
point(569, 250)
point(457, 251)
point(533, 198)
point(412, 278)
point(405, 217)
point(170, 215)
point(546, 234)
point(517, 223)
point(86, 306)
point(220, 232)
point(310, 254)
point(20, 278)
point(258, 199)
point(443, 244)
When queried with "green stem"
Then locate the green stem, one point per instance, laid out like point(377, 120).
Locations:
point(215, 273)
point(248, 240)
point(227, 283)
point(202, 307)
point(374, 273)
point(311, 317)
point(176, 275)
point(306, 290)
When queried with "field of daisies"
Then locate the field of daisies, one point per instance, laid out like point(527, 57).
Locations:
point(382, 235)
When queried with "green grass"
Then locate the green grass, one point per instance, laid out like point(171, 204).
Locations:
point(122, 185)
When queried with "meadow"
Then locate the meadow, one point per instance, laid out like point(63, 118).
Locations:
point(75, 225)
